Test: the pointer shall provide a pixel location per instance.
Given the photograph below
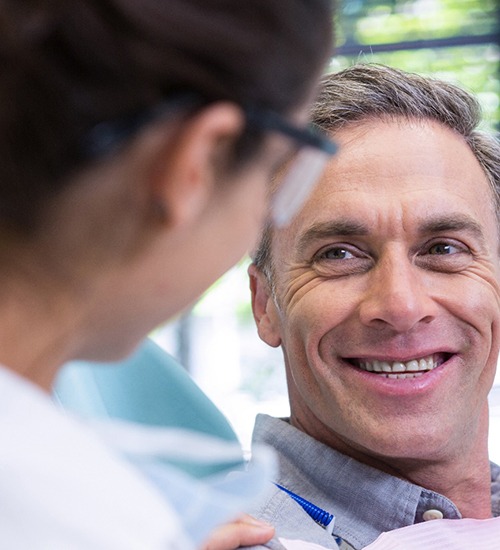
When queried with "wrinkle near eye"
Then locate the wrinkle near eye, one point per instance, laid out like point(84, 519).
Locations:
point(299, 281)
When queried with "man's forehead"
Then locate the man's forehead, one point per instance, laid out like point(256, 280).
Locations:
point(423, 181)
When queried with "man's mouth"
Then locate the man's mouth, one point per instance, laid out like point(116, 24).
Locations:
point(401, 369)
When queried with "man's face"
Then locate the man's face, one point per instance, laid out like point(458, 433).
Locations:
point(387, 295)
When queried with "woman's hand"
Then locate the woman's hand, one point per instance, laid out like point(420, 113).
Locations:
point(243, 531)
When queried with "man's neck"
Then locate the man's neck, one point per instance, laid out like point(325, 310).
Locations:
point(464, 477)
point(466, 481)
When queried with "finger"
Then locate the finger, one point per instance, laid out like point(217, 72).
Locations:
point(245, 531)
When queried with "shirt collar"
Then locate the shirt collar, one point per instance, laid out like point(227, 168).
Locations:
point(364, 500)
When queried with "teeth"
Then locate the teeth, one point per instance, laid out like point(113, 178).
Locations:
point(405, 375)
point(425, 364)
point(398, 369)
point(414, 365)
point(386, 367)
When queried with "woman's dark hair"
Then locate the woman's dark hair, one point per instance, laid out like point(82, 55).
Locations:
point(68, 65)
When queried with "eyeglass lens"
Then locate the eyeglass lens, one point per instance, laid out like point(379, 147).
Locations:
point(297, 184)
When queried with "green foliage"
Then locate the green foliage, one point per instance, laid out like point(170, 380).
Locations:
point(387, 21)
point(475, 67)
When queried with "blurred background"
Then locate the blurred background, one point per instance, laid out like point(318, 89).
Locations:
point(216, 340)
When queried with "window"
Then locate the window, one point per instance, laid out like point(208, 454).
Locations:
point(457, 40)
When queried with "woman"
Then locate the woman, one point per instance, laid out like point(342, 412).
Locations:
point(138, 139)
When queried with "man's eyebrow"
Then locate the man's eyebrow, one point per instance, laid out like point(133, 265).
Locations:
point(334, 228)
point(345, 227)
point(453, 222)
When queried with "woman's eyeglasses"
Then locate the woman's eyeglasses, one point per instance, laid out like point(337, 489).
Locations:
point(314, 147)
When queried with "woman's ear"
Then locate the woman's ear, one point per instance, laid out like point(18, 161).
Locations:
point(264, 308)
point(186, 172)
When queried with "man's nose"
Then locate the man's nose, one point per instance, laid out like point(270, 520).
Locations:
point(397, 296)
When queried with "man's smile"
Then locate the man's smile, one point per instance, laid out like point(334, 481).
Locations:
point(401, 369)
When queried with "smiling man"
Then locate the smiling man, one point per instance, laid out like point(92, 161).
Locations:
point(384, 296)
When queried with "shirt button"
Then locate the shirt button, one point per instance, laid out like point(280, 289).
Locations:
point(432, 514)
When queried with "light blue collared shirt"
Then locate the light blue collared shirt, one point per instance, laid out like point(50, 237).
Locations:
point(364, 500)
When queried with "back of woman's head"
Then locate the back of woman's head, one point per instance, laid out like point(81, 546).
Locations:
point(68, 65)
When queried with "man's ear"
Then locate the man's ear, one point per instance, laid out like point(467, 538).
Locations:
point(264, 309)
point(186, 172)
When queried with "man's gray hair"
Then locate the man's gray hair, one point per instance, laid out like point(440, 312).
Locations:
point(371, 91)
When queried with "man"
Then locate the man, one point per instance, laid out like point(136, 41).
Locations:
point(384, 296)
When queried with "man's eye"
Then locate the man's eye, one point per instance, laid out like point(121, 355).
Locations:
point(443, 249)
point(341, 261)
point(445, 256)
point(337, 253)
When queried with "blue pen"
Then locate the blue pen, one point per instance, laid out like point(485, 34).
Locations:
point(320, 516)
